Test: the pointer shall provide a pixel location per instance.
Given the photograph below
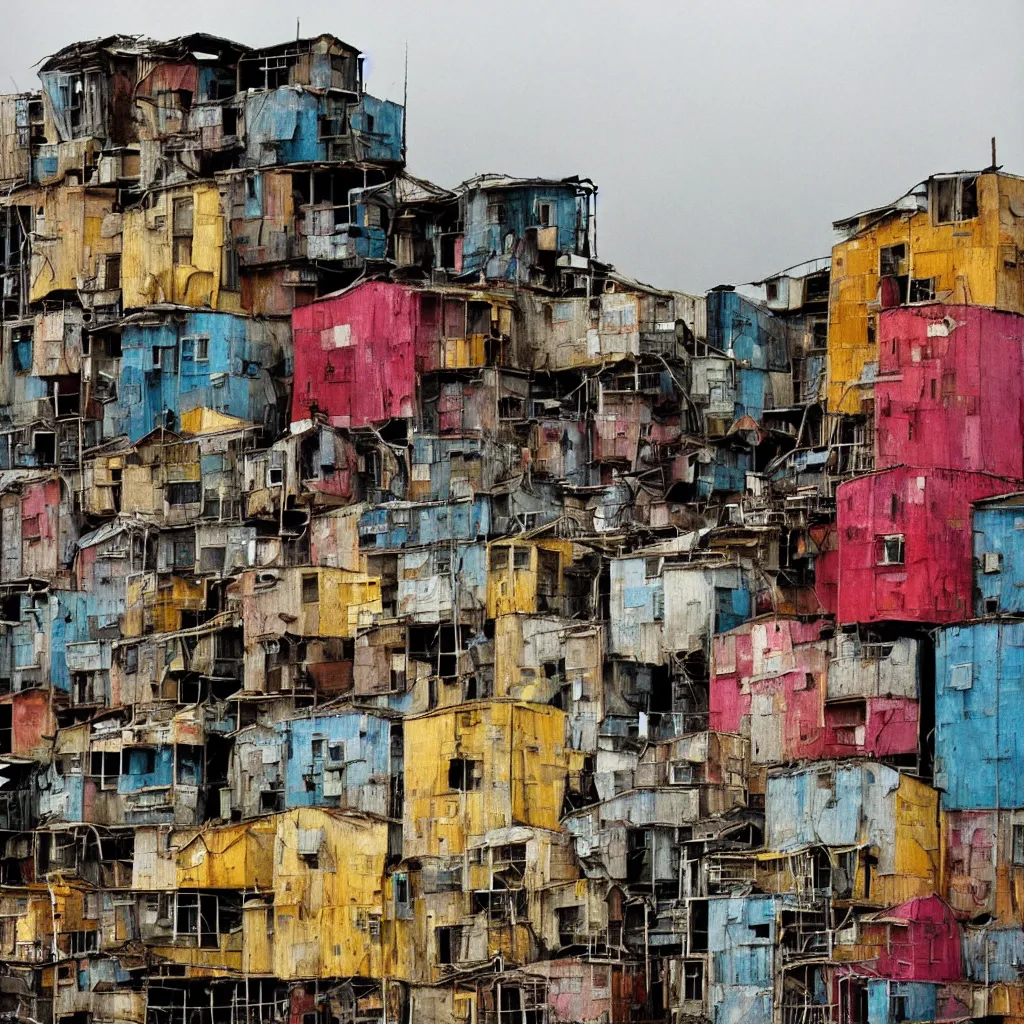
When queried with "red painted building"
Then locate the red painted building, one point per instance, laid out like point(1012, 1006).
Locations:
point(950, 391)
point(770, 681)
point(917, 941)
point(905, 543)
point(357, 354)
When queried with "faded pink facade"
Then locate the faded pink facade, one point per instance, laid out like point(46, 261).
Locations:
point(769, 682)
point(580, 990)
point(357, 354)
point(923, 942)
point(923, 573)
point(950, 391)
point(779, 661)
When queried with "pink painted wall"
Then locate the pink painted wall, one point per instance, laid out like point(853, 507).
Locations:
point(794, 650)
point(890, 727)
point(954, 399)
point(357, 354)
point(931, 508)
point(31, 718)
point(970, 874)
point(924, 942)
point(826, 568)
point(793, 666)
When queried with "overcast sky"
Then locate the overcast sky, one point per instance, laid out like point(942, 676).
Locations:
point(724, 137)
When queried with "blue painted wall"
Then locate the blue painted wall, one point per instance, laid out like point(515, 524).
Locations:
point(993, 955)
point(642, 598)
point(996, 530)
point(69, 624)
point(979, 708)
point(725, 474)
point(238, 354)
point(799, 812)
point(134, 775)
point(741, 958)
point(390, 527)
point(756, 339)
point(366, 741)
point(282, 126)
point(920, 1000)
point(484, 243)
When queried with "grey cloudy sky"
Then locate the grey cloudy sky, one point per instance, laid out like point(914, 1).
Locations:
point(725, 137)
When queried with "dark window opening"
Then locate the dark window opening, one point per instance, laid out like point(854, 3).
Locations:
point(464, 774)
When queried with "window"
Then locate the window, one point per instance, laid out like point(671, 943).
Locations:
point(105, 767)
point(693, 981)
point(112, 272)
point(464, 774)
point(229, 121)
point(403, 898)
point(652, 568)
point(44, 444)
point(184, 493)
point(195, 918)
point(922, 289)
point(771, 291)
point(447, 943)
point(250, 186)
point(520, 558)
point(499, 559)
point(890, 549)
point(545, 214)
point(275, 476)
point(202, 349)
point(1018, 845)
point(182, 231)
point(185, 553)
point(570, 924)
point(495, 213)
point(897, 1008)
point(212, 559)
point(310, 589)
point(21, 349)
point(953, 199)
point(890, 258)
point(510, 862)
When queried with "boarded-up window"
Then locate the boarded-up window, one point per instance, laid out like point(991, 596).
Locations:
point(182, 230)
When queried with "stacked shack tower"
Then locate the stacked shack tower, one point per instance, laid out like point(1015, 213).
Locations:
point(409, 617)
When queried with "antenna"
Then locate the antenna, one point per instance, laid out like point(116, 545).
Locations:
point(993, 151)
point(405, 97)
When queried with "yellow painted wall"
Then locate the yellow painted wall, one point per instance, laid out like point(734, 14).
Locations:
point(917, 842)
point(148, 272)
point(229, 857)
point(523, 768)
point(965, 257)
point(515, 590)
point(326, 915)
point(346, 601)
point(75, 229)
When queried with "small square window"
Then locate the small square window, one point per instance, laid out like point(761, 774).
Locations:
point(890, 549)
point(310, 589)
point(922, 289)
point(520, 558)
